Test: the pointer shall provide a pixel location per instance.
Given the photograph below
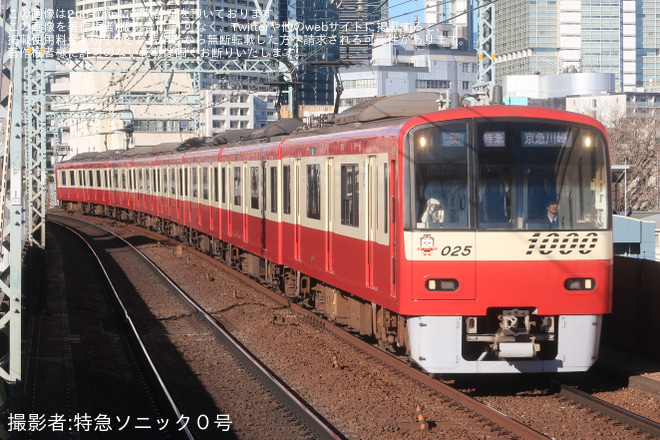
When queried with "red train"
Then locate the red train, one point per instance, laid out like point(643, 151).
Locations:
point(430, 233)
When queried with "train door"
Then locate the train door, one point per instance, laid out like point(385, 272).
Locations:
point(87, 178)
point(180, 184)
point(224, 204)
point(132, 199)
point(296, 206)
point(378, 221)
point(106, 186)
point(114, 181)
point(155, 178)
point(171, 198)
point(237, 215)
point(330, 199)
point(81, 182)
point(230, 197)
point(193, 201)
point(372, 211)
point(140, 193)
point(262, 204)
point(158, 180)
point(208, 194)
point(164, 191)
point(148, 189)
point(248, 184)
point(123, 187)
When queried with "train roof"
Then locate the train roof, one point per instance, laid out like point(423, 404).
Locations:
point(278, 128)
point(230, 136)
point(393, 110)
point(392, 106)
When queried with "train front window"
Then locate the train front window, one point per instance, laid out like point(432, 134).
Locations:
point(540, 175)
point(441, 173)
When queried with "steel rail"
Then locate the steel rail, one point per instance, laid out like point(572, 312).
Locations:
point(616, 412)
point(129, 321)
point(514, 427)
point(319, 427)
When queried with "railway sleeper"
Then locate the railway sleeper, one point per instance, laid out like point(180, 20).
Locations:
point(365, 318)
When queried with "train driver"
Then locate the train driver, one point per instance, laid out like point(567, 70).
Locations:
point(552, 214)
point(434, 214)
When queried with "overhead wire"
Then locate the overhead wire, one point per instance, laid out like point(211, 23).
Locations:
point(127, 82)
point(408, 34)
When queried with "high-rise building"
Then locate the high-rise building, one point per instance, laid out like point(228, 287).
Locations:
point(603, 36)
point(317, 23)
point(359, 19)
point(328, 30)
point(455, 13)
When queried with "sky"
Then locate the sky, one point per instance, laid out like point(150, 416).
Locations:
point(399, 7)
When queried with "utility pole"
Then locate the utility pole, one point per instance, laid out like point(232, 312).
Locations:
point(486, 45)
point(13, 218)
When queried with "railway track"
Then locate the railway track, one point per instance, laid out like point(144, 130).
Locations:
point(494, 420)
point(286, 315)
point(616, 412)
point(281, 411)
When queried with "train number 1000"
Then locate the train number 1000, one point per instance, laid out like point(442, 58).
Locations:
point(548, 242)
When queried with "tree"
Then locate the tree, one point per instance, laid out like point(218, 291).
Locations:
point(634, 141)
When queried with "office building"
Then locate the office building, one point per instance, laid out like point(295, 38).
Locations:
point(607, 36)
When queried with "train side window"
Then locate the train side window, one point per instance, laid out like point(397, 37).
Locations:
point(180, 182)
point(164, 185)
point(286, 189)
point(223, 182)
point(184, 184)
point(140, 181)
point(173, 181)
point(72, 178)
point(254, 187)
point(99, 182)
point(214, 184)
point(273, 189)
point(237, 186)
point(147, 180)
point(105, 176)
point(194, 177)
point(350, 195)
point(205, 183)
point(123, 179)
point(62, 178)
point(314, 191)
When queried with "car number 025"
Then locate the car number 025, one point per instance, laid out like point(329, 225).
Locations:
point(456, 251)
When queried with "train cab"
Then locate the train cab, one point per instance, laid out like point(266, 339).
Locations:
point(507, 232)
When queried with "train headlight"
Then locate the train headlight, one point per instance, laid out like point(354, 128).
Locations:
point(421, 141)
point(580, 284)
point(442, 285)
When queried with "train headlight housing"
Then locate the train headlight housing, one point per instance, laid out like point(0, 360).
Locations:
point(442, 285)
point(580, 284)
